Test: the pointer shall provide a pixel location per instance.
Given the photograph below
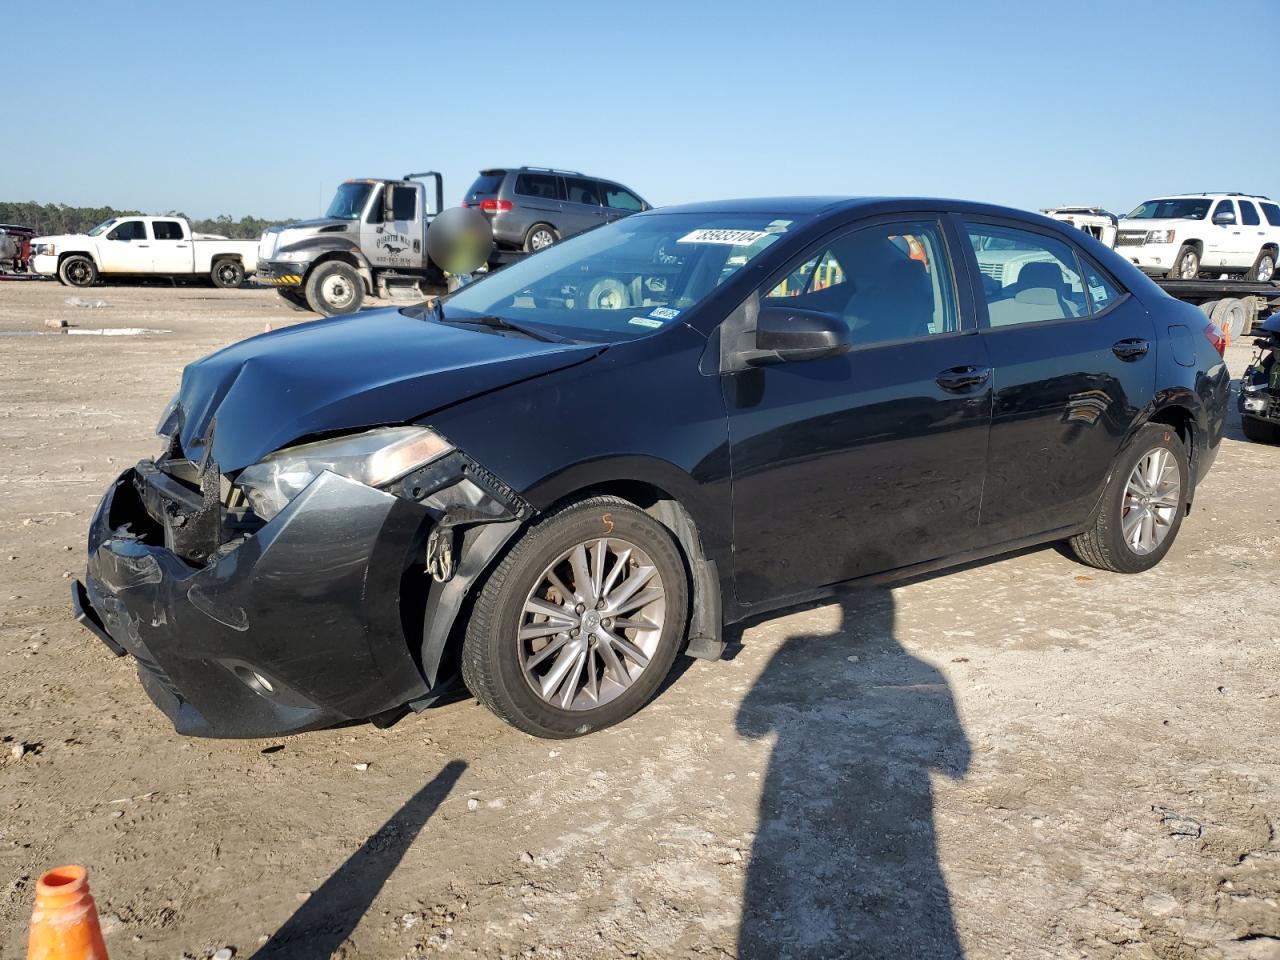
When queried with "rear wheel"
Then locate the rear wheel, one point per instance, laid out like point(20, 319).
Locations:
point(1264, 268)
point(1141, 510)
point(334, 288)
point(78, 271)
point(540, 237)
point(579, 625)
point(1186, 265)
point(227, 274)
point(1260, 431)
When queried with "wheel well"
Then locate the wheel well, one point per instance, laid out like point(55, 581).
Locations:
point(219, 257)
point(1271, 247)
point(77, 253)
point(541, 223)
point(1184, 424)
point(350, 261)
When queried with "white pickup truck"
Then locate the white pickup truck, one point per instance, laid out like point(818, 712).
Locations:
point(135, 246)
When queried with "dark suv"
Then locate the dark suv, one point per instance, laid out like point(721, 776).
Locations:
point(531, 208)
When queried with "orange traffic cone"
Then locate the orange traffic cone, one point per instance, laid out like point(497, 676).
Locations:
point(64, 924)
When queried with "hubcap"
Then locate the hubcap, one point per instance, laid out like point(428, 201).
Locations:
point(1152, 498)
point(591, 624)
point(336, 291)
point(227, 273)
point(1266, 268)
point(1190, 266)
point(541, 239)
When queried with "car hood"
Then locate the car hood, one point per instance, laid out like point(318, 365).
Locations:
point(346, 373)
point(56, 238)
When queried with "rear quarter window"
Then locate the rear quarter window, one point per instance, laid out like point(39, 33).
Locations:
point(1272, 212)
point(487, 182)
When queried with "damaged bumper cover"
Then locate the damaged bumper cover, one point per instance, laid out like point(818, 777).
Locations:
point(280, 273)
point(300, 624)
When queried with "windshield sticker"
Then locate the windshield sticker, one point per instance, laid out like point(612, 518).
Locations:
point(664, 313)
point(733, 238)
point(644, 322)
point(777, 226)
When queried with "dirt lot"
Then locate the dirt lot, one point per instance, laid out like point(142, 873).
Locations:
point(1026, 758)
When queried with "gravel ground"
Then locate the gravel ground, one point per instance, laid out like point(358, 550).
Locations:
point(1024, 758)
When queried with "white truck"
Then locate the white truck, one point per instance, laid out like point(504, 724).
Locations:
point(1180, 237)
point(143, 246)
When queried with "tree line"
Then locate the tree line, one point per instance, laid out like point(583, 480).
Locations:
point(52, 218)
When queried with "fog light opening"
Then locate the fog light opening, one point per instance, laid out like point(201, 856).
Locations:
point(254, 681)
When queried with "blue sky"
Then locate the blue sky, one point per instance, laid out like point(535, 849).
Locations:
point(248, 108)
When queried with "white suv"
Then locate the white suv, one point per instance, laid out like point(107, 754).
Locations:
point(1183, 236)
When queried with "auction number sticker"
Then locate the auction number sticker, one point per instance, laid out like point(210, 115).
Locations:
point(644, 322)
point(733, 238)
point(664, 313)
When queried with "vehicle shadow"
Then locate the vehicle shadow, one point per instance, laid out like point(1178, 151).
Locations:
point(844, 862)
point(328, 917)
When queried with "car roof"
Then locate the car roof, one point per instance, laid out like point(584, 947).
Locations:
point(826, 206)
point(1215, 196)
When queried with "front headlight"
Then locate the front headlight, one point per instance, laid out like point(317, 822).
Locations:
point(295, 256)
point(376, 457)
point(43, 249)
point(1160, 236)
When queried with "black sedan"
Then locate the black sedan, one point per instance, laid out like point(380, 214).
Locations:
point(552, 482)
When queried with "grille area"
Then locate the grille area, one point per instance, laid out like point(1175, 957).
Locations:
point(1131, 238)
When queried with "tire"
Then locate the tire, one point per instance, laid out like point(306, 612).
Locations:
point(227, 274)
point(500, 667)
point(539, 237)
point(78, 270)
point(294, 298)
point(1207, 308)
point(334, 288)
point(608, 293)
point(1103, 544)
point(1232, 318)
point(1260, 431)
point(1264, 268)
point(1186, 265)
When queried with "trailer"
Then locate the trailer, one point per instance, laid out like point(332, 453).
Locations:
point(1236, 306)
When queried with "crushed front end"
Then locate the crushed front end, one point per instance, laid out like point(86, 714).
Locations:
point(245, 627)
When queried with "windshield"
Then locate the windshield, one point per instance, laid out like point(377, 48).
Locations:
point(103, 226)
point(348, 202)
point(624, 280)
point(1187, 208)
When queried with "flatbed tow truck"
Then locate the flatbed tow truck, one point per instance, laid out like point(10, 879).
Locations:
point(1236, 306)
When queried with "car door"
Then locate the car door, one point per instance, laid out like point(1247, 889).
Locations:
point(126, 249)
point(1223, 240)
point(874, 459)
point(393, 227)
point(581, 209)
point(1074, 360)
point(171, 250)
point(1252, 233)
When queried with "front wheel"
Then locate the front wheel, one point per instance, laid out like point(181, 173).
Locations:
point(334, 288)
point(1186, 265)
point(1141, 510)
point(227, 274)
point(579, 624)
point(78, 271)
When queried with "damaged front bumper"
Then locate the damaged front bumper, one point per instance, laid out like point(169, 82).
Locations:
point(296, 626)
point(280, 273)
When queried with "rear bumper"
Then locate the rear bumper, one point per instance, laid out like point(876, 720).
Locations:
point(296, 627)
point(279, 273)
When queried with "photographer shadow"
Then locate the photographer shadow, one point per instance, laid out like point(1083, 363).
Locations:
point(845, 862)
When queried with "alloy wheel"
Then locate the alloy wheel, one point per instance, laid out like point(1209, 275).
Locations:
point(1266, 268)
point(591, 623)
point(1190, 266)
point(541, 240)
point(1152, 498)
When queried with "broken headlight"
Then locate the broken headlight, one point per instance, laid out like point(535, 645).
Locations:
point(168, 422)
point(376, 457)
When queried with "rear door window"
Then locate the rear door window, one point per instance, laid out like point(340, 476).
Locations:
point(544, 186)
point(1272, 212)
point(582, 190)
point(1027, 277)
point(1249, 214)
point(166, 229)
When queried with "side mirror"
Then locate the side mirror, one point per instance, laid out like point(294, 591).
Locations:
point(786, 335)
point(388, 203)
point(1224, 218)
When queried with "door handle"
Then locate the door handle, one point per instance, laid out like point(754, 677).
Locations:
point(143, 244)
point(958, 379)
point(1131, 349)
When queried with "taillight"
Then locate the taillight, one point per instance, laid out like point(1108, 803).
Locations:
point(1216, 337)
point(463, 204)
point(496, 206)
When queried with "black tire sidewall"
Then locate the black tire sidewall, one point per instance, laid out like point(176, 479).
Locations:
point(573, 526)
point(217, 281)
point(1147, 439)
point(1260, 431)
point(64, 275)
point(317, 303)
point(536, 229)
